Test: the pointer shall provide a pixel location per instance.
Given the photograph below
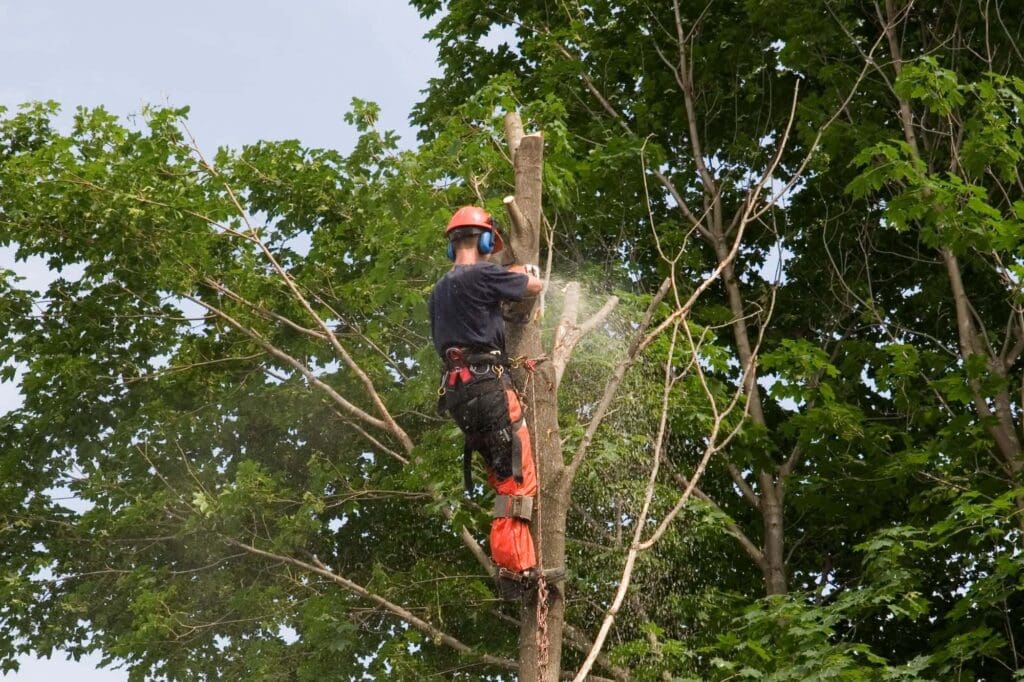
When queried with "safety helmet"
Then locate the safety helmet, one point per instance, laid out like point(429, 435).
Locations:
point(482, 223)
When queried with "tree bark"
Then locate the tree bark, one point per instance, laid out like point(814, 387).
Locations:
point(774, 570)
point(770, 496)
point(540, 397)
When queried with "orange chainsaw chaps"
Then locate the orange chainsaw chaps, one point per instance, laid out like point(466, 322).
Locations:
point(511, 543)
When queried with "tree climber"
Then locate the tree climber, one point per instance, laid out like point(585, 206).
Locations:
point(476, 387)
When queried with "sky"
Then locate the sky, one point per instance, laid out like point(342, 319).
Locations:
point(249, 70)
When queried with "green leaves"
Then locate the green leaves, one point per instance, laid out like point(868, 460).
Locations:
point(176, 430)
point(936, 88)
point(953, 209)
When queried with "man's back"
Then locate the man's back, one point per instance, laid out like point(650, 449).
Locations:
point(465, 306)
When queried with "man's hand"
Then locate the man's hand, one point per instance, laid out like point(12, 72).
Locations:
point(534, 284)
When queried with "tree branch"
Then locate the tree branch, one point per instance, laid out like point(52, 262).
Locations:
point(748, 493)
point(253, 235)
point(568, 334)
point(635, 546)
point(292, 362)
point(752, 550)
point(513, 133)
point(607, 106)
point(427, 628)
point(612, 387)
point(519, 222)
point(376, 443)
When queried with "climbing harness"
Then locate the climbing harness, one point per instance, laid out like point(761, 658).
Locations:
point(473, 391)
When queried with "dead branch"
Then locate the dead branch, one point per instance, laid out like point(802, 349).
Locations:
point(714, 445)
point(435, 633)
point(641, 521)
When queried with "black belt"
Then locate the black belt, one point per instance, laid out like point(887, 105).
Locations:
point(457, 357)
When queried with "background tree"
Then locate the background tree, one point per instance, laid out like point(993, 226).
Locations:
point(699, 87)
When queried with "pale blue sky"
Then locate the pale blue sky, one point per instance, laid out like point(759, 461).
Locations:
point(255, 69)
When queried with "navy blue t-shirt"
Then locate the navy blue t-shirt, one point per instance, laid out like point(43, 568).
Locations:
point(465, 306)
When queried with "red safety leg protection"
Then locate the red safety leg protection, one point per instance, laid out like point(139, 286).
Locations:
point(511, 543)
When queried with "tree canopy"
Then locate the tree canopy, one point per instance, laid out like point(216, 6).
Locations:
point(792, 451)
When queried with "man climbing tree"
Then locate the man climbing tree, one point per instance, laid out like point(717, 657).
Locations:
point(477, 391)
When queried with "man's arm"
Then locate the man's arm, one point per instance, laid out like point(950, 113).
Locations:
point(534, 284)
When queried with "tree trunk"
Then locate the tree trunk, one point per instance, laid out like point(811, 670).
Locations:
point(774, 569)
point(771, 489)
point(1003, 429)
point(541, 401)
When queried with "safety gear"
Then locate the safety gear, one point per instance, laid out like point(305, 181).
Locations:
point(513, 507)
point(551, 575)
point(484, 245)
point(514, 586)
point(476, 390)
point(474, 386)
point(475, 217)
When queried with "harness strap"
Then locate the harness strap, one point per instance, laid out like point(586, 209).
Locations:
point(513, 507)
point(461, 381)
point(461, 394)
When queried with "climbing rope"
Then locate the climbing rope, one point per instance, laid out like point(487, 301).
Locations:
point(543, 643)
point(542, 627)
point(529, 364)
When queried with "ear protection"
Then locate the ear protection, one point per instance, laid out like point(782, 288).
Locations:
point(485, 244)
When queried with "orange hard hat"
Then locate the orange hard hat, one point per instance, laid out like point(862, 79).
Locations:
point(476, 217)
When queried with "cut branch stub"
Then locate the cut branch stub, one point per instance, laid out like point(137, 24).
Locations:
point(515, 216)
point(513, 132)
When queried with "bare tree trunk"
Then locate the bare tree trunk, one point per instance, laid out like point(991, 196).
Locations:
point(540, 398)
point(770, 495)
point(774, 570)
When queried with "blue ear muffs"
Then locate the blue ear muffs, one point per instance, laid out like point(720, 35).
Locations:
point(486, 242)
